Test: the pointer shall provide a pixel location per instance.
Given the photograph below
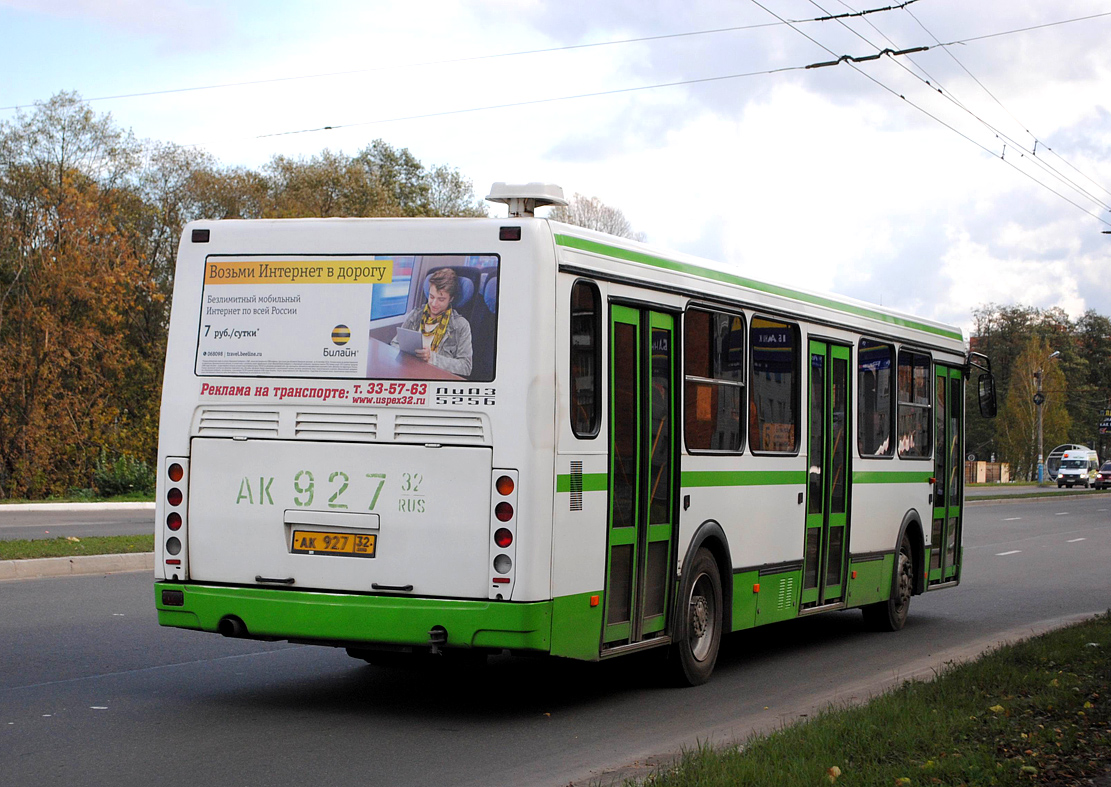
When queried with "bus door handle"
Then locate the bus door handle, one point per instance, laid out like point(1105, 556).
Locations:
point(275, 580)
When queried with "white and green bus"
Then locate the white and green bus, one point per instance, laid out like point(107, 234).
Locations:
point(476, 435)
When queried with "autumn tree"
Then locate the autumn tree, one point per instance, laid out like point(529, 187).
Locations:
point(63, 344)
point(1002, 333)
point(69, 285)
point(90, 221)
point(1018, 418)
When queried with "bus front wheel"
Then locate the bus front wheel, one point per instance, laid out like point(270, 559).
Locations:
point(699, 620)
point(891, 615)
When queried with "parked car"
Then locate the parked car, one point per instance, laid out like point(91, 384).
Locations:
point(1103, 477)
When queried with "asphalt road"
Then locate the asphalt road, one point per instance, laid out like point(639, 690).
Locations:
point(20, 522)
point(92, 691)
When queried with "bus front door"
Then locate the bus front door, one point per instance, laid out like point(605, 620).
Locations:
point(641, 475)
point(828, 474)
point(945, 538)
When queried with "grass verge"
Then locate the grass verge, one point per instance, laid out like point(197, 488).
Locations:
point(22, 549)
point(1028, 495)
point(1038, 712)
point(130, 497)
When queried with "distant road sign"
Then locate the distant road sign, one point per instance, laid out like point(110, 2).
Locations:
point(1039, 398)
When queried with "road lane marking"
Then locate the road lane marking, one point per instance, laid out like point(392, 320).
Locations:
point(1061, 513)
point(1074, 540)
point(1012, 552)
point(1012, 519)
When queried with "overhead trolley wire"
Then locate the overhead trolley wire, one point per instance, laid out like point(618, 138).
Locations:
point(935, 117)
point(532, 102)
point(1037, 141)
point(677, 83)
point(448, 61)
point(935, 84)
point(780, 21)
point(470, 58)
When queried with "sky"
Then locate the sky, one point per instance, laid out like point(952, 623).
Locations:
point(933, 182)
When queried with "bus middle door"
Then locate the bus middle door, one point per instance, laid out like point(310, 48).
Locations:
point(642, 475)
point(828, 476)
point(945, 537)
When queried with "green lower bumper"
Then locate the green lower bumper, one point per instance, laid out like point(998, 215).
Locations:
point(340, 618)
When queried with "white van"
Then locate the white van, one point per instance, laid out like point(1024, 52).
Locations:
point(1078, 468)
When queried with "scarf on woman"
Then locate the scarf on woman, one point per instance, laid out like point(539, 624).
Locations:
point(440, 330)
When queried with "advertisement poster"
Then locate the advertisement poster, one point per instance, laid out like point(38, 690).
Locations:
point(365, 317)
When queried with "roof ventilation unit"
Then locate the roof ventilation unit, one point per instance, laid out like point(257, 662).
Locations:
point(524, 198)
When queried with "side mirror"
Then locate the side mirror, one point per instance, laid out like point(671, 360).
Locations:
point(986, 384)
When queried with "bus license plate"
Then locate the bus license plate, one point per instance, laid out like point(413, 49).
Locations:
point(317, 542)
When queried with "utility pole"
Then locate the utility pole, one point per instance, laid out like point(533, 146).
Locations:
point(1039, 400)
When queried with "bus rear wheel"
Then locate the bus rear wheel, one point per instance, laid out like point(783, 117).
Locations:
point(699, 621)
point(891, 615)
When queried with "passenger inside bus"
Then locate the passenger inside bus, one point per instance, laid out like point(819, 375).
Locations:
point(445, 334)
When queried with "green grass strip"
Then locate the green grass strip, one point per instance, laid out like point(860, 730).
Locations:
point(71, 546)
point(1038, 712)
point(629, 255)
point(1030, 495)
point(130, 497)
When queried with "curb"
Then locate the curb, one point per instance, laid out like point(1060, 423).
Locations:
point(76, 507)
point(38, 568)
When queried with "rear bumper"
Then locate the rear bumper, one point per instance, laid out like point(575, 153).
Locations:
point(351, 619)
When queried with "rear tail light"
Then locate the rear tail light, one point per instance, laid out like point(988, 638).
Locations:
point(176, 518)
point(504, 532)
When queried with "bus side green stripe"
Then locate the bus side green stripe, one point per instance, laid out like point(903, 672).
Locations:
point(592, 482)
point(599, 482)
point(629, 255)
point(880, 477)
point(694, 478)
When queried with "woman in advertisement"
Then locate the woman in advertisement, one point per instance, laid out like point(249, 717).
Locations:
point(445, 334)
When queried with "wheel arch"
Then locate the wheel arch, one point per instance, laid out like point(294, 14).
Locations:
point(711, 535)
point(912, 528)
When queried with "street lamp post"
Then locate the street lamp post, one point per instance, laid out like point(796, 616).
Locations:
point(1039, 400)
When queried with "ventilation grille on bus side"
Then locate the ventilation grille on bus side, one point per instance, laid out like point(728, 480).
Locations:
point(576, 485)
point(360, 427)
point(785, 599)
point(447, 429)
point(238, 423)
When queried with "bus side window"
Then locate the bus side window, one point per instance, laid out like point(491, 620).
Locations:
point(915, 412)
point(586, 359)
point(773, 407)
point(874, 399)
point(714, 370)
